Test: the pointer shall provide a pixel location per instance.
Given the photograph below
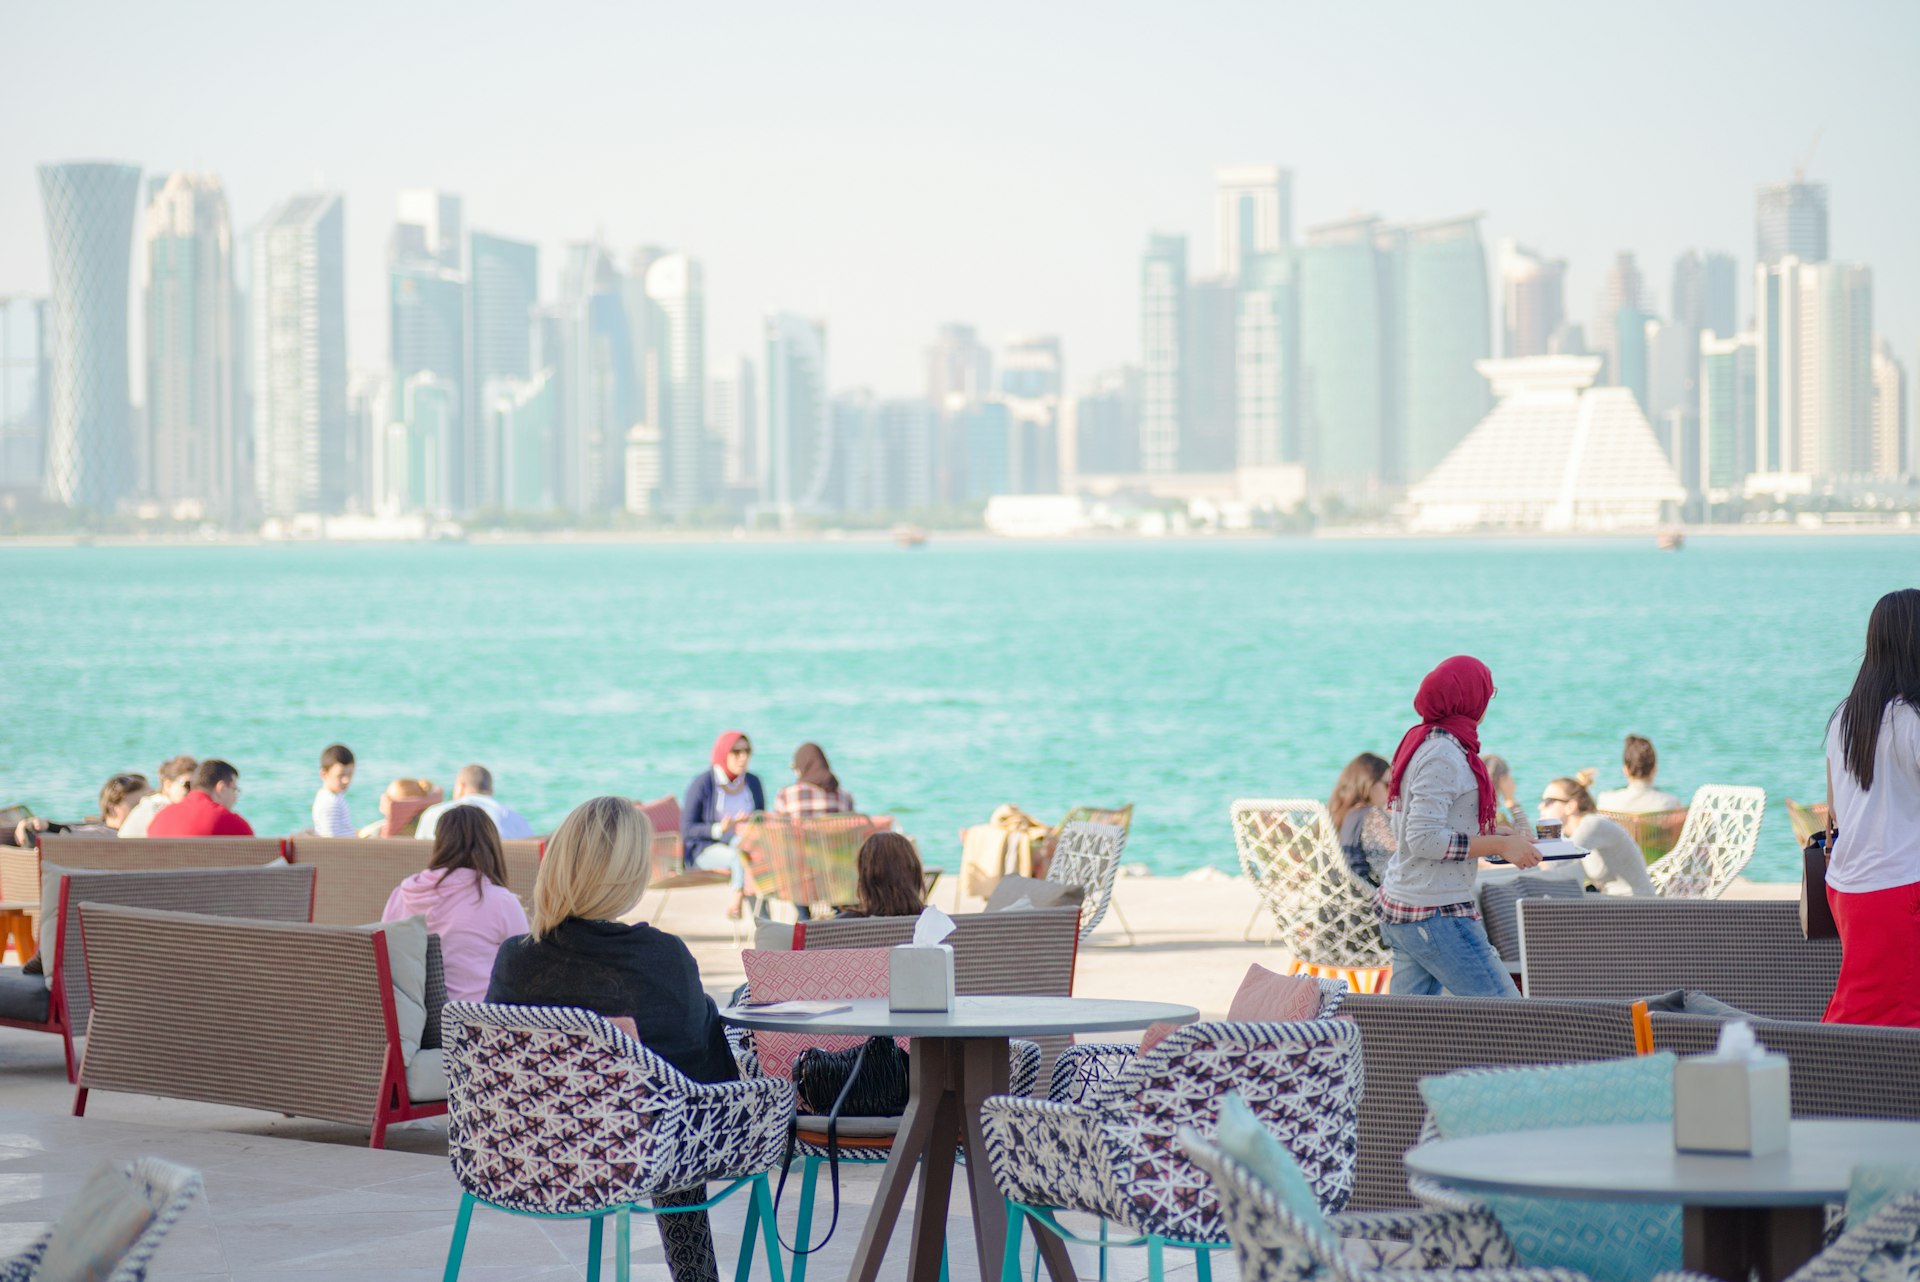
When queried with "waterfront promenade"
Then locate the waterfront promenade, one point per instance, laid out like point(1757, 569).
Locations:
point(294, 1198)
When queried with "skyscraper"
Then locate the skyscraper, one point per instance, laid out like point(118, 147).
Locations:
point(191, 449)
point(1532, 300)
point(1253, 215)
point(587, 341)
point(415, 468)
point(644, 324)
point(1163, 348)
point(299, 319)
point(1343, 346)
point(24, 380)
point(797, 438)
point(1891, 442)
point(733, 420)
point(1790, 220)
point(429, 225)
point(1621, 289)
point(1106, 424)
point(1209, 432)
point(89, 444)
point(1266, 365)
point(1726, 415)
point(522, 419)
point(1031, 378)
point(1705, 291)
point(1814, 369)
point(959, 368)
point(427, 334)
point(677, 291)
point(503, 289)
point(1446, 329)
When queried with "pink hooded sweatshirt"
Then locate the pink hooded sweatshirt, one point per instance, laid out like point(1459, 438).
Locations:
point(471, 924)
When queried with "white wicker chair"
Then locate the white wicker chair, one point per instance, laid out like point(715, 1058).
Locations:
point(1323, 913)
point(1722, 829)
point(1088, 856)
point(169, 1189)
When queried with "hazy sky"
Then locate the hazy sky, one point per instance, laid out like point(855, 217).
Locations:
point(893, 166)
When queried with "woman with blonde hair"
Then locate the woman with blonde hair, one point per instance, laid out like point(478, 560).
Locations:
point(577, 952)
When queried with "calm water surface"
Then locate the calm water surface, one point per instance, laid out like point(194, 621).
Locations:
point(942, 682)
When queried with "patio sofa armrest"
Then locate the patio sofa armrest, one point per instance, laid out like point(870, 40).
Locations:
point(737, 1128)
point(1049, 1154)
point(436, 994)
point(1086, 1067)
point(1470, 1239)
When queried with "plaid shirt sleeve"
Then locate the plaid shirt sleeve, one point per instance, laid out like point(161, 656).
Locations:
point(807, 800)
point(1458, 845)
point(1389, 911)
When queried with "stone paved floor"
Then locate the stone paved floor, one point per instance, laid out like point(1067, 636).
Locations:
point(320, 1212)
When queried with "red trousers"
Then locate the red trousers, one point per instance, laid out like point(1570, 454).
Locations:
point(1879, 957)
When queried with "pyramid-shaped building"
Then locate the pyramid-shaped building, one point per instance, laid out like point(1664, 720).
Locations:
point(1556, 453)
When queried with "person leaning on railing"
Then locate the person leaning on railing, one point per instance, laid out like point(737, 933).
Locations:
point(1873, 794)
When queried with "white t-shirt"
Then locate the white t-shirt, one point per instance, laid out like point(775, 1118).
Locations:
point(1878, 846)
point(135, 824)
point(330, 816)
point(511, 823)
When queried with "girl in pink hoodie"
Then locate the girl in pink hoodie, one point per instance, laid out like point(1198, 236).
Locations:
point(464, 897)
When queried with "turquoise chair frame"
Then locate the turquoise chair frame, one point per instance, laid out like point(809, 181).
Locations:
point(803, 1224)
point(759, 1223)
point(1044, 1218)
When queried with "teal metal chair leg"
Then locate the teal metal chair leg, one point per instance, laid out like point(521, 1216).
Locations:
point(762, 1197)
point(1010, 1261)
point(1103, 1251)
point(749, 1241)
point(459, 1247)
point(1156, 1263)
point(803, 1224)
point(623, 1244)
point(1202, 1264)
point(594, 1235)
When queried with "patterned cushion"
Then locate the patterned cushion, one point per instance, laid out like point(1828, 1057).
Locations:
point(1264, 996)
point(97, 1229)
point(1874, 1183)
point(1608, 1241)
point(1241, 1136)
point(796, 976)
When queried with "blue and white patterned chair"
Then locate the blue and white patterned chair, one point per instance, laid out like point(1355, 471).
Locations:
point(1086, 1068)
point(554, 1112)
point(169, 1190)
point(1115, 1156)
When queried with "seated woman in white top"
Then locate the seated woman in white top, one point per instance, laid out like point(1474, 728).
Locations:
point(1614, 864)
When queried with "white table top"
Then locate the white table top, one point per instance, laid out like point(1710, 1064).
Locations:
point(974, 1017)
point(1637, 1163)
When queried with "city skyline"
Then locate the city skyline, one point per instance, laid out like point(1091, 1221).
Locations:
point(1074, 186)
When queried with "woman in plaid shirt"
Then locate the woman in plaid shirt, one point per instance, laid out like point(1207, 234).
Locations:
point(815, 790)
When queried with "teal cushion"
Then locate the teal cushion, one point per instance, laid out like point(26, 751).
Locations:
point(1874, 1184)
point(1608, 1241)
point(1240, 1136)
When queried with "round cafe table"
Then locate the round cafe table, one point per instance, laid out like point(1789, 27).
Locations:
point(1743, 1214)
point(958, 1059)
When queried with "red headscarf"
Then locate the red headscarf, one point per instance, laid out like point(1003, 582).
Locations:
point(721, 747)
point(1453, 697)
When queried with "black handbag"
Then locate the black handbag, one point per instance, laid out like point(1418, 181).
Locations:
point(1816, 914)
point(868, 1080)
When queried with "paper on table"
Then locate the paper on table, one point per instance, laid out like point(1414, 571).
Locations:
point(796, 1008)
point(932, 927)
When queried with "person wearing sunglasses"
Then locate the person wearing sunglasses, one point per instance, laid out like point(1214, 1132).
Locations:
point(1613, 864)
point(718, 800)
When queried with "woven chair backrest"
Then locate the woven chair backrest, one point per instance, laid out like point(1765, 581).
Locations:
point(1088, 856)
point(1835, 1070)
point(810, 860)
point(111, 854)
point(1120, 817)
point(1404, 1039)
point(1748, 953)
point(1722, 829)
point(1500, 904)
point(358, 874)
point(1290, 850)
point(1654, 831)
point(280, 893)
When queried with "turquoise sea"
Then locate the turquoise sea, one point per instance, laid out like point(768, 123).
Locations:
point(942, 681)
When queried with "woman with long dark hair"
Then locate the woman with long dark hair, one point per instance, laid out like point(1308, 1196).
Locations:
point(463, 894)
point(1873, 794)
point(1358, 808)
point(888, 878)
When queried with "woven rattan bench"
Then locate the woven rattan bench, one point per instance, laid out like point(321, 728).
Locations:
point(357, 874)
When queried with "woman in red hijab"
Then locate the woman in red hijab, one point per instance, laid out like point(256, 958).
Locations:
point(1445, 820)
point(717, 800)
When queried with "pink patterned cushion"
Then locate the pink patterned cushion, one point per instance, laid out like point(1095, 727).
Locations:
point(663, 811)
point(799, 976)
point(1264, 998)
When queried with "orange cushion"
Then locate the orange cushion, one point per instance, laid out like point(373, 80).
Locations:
point(1264, 998)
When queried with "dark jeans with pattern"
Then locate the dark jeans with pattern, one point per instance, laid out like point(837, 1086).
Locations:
point(687, 1237)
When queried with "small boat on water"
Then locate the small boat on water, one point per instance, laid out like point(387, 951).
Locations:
point(909, 536)
point(1672, 540)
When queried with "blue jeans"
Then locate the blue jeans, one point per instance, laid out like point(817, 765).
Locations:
point(1445, 952)
point(721, 857)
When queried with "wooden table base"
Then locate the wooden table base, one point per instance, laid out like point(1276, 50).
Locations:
point(948, 1079)
point(1731, 1242)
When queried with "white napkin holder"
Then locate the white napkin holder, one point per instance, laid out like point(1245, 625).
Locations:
point(920, 974)
point(1736, 1100)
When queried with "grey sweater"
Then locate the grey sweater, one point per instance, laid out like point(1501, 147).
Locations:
point(1438, 798)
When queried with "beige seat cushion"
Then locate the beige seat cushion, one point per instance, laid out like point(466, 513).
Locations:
point(49, 925)
point(427, 1077)
point(773, 937)
point(407, 959)
point(97, 1229)
point(850, 1128)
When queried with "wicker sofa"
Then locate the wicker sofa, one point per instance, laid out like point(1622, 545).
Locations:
point(58, 1001)
point(1746, 952)
point(1836, 1070)
point(288, 1017)
point(358, 873)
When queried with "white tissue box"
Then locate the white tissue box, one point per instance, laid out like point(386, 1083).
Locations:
point(920, 977)
point(1731, 1105)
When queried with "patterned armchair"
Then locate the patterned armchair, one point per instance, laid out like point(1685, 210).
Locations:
point(169, 1191)
point(1721, 831)
point(1322, 911)
point(555, 1112)
point(1088, 1071)
point(1087, 854)
point(1115, 1156)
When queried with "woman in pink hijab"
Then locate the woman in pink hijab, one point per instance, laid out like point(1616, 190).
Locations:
point(717, 801)
point(1445, 820)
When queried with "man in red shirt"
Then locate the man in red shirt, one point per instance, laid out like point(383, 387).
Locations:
point(207, 811)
